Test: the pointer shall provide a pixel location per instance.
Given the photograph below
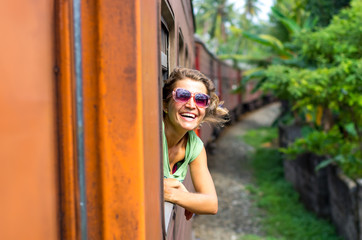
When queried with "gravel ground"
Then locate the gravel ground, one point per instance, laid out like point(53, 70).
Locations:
point(232, 173)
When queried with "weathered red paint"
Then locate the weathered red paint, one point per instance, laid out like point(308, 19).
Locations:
point(122, 117)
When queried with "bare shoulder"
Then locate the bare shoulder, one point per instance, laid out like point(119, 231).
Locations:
point(200, 159)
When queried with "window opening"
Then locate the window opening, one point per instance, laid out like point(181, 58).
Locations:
point(181, 51)
point(164, 51)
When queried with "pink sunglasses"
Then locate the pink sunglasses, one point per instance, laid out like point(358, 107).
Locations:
point(182, 95)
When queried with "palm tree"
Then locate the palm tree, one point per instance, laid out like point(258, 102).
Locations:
point(251, 8)
point(212, 17)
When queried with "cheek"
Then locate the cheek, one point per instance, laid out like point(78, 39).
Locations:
point(202, 113)
point(174, 107)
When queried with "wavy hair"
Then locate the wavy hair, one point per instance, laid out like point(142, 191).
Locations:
point(215, 113)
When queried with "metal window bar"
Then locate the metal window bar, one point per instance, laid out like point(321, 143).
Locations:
point(80, 117)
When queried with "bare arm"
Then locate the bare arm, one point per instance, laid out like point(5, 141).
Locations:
point(204, 201)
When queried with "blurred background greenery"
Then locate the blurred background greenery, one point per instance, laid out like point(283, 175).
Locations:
point(307, 54)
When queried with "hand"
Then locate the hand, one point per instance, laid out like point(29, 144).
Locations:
point(171, 187)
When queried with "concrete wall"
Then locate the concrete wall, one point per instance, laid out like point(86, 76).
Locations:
point(327, 192)
point(344, 204)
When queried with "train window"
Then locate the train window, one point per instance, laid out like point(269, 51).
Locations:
point(181, 52)
point(168, 39)
point(164, 50)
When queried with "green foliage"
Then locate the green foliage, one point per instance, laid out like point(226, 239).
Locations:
point(325, 9)
point(217, 20)
point(256, 237)
point(339, 41)
point(338, 87)
point(277, 51)
point(289, 23)
point(285, 216)
point(318, 70)
point(260, 136)
point(264, 39)
point(289, 17)
point(251, 8)
point(327, 90)
point(212, 18)
point(343, 151)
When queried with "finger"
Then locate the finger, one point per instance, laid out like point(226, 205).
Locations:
point(172, 183)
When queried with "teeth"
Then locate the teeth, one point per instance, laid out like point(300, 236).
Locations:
point(188, 115)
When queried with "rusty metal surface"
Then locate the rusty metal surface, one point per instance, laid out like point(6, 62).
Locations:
point(121, 112)
point(28, 173)
point(122, 119)
point(66, 120)
point(151, 113)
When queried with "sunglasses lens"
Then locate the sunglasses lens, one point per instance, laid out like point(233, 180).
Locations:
point(182, 95)
point(202, 100)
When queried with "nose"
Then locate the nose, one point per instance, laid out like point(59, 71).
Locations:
point(191, 103)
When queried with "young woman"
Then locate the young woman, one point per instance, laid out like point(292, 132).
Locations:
point(189, 99)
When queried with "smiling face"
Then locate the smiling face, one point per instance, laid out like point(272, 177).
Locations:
point(185, 115)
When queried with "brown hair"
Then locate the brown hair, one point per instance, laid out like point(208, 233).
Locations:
point(215, 113)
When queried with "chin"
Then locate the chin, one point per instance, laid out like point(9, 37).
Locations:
point(189, 125)
point(189, 128)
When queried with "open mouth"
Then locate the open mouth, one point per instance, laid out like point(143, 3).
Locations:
point(188, 116)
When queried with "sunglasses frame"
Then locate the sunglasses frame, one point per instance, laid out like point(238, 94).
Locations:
point(192, 96)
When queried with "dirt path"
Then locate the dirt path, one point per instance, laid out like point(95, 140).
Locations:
point(231, 173)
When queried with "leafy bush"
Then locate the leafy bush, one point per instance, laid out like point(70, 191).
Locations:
point(325, 89)
point(340, 40)
point(333, 145)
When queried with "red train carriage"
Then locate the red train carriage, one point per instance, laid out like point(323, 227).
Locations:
point(229, 80)
point(207, 63)
point(252, 100)
point(225, 79)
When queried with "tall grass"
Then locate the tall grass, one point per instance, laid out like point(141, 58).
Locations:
point(285, 217)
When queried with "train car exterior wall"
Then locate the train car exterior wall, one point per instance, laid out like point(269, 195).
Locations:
point(207, 64)
point(81, 87)
point(178, 41)
point(225, 79)
point(177, 17)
